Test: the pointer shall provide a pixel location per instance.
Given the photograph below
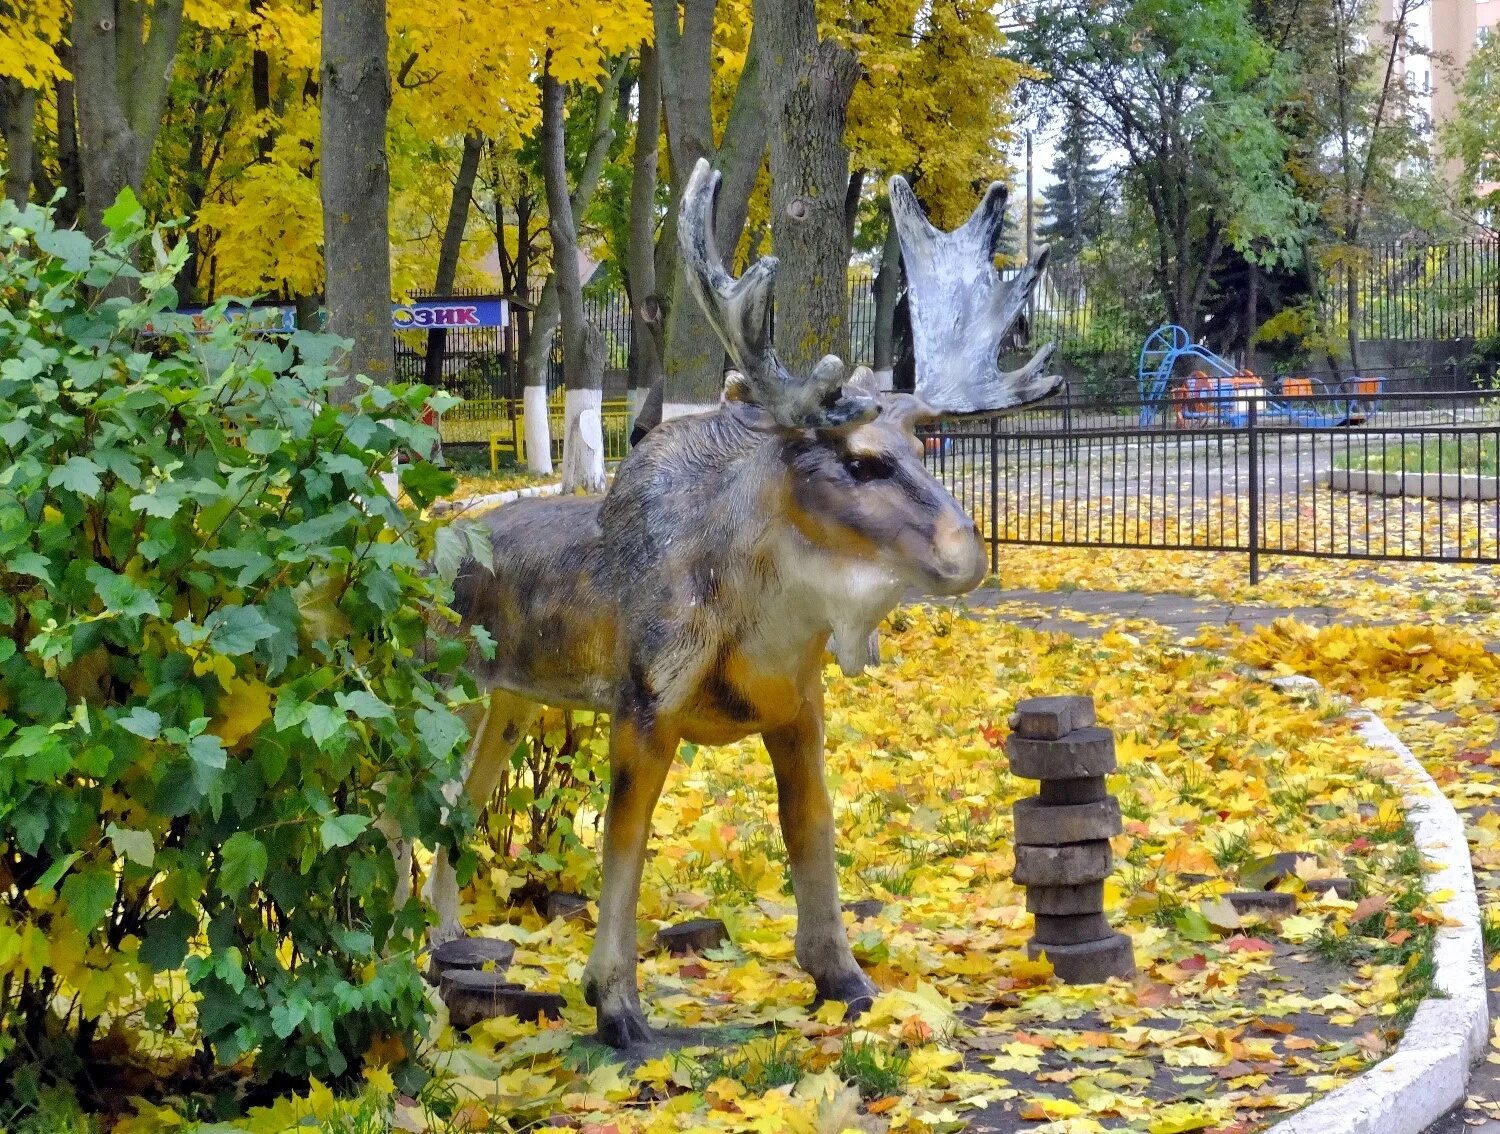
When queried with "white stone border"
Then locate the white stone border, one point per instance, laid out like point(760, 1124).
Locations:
point(1426, 1076)
point(494, 499)
point(1436, 486)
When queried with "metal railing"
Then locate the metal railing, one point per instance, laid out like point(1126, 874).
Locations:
point(1407, 476)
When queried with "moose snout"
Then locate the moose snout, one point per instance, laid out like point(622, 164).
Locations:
point(957, 561)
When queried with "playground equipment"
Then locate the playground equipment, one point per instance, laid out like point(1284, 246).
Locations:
point(1217, 392)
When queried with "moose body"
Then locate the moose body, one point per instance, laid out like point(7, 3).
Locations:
point(697, 599)
point(696, 602)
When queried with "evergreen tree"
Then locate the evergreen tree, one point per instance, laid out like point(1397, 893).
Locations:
point(1077, 202)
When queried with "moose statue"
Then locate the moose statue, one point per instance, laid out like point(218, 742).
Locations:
point(696, 599)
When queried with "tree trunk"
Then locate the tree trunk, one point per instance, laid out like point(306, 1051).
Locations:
point(640, 248)
point(18, 125)
point(583, 436)
point(887, 288)
point(1351, 310)
point(692, 358)
point(448, 251)
point(807, 87)
point(355, 95)
point(69, 161)
point(545, 318)
point(122, 65)
point(584, 375)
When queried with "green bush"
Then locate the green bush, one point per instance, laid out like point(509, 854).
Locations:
point(216, 673)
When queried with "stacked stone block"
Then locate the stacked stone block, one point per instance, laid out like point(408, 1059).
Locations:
point(1062, 837)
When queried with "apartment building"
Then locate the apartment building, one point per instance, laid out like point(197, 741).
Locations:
point(1450, 29)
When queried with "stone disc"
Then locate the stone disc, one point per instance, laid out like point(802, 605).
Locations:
point(1062, 866)
point(1070, 929)
point(693, 936)
point(1083, 898)
point(1041, 824)
point(1082, 752)
point(1090, 789)
point(465, 953)
point(1092, 962)
point(1047, 718)
point(472, 996)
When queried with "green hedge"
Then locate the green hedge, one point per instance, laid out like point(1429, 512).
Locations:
point(216, 673)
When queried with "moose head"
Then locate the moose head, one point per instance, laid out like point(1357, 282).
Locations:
point(695, 600)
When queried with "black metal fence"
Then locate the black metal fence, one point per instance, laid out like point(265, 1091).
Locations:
point(1443, 291)
point(1400, 476)
point(1439, 292)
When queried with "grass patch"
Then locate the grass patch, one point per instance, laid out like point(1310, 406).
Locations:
point(874, 1071)
point(1395, 934)
point(1489, 929)
point(761, 1064)
point(1478, 454)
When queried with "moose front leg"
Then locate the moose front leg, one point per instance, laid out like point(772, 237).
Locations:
point(807, 827)
point(640, 753)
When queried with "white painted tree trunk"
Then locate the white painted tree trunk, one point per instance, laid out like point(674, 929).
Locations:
point(633, 400)
point(538, 432)
point(583, 442)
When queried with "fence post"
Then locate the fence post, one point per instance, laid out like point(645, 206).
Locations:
point(994, 501)
point(1254, 436)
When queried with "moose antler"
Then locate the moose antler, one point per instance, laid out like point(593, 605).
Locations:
point(961, 309)
point(740, 312)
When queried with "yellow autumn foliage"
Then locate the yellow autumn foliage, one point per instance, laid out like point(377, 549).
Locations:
point(1215, 769)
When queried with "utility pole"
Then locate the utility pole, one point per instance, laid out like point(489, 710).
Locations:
point(1029, 228)
point(1030, 236)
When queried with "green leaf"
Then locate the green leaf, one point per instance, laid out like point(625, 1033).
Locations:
point(323, 722)
point(448, 552)
point(364, 705)
point(49, 880)
point(30, 826)
point(77, 474)
point(30, 563)
point(440, 731)
point(72, 247)
point(164, 945)
point(1193, 925)
point(89, 894)
point(125, 215)
point(341, 830)
point(143, 722)
point(242, 863)
point(122, 595)
point(136, 846)
point(234, 630)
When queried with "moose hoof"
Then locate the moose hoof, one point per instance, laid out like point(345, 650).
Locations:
point(623, 1029)
point(855, 990)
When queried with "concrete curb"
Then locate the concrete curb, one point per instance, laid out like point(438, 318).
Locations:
point(1425, 1077)
point(1436, 486)
point(493, 499)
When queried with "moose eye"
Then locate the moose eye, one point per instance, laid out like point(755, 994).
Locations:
point(865, 469)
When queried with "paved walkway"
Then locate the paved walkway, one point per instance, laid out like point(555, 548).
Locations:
point(1082, 612)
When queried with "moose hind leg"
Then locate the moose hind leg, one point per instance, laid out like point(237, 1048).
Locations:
point(505, 721)
point(807, 827)
point(639, 756)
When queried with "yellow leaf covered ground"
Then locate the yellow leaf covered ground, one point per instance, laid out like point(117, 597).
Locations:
point(1228, 1023)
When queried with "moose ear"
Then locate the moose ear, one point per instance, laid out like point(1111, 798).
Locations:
point(736, 388)
point(862, 381)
